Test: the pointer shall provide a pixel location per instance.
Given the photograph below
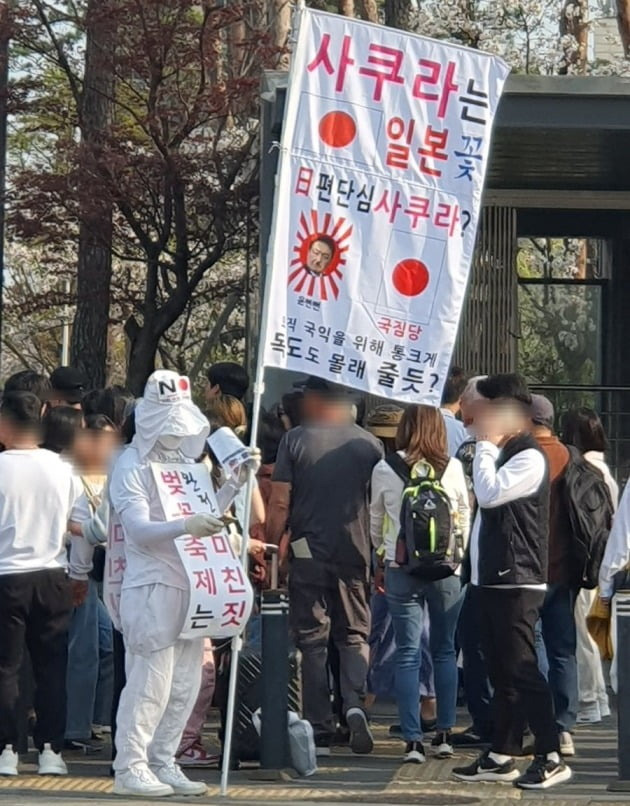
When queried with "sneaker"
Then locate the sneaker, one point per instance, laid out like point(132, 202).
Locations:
point(51, 763)
point(414, 753)
point(443, 745)
point(395, 732)
point(543, 774)
point(173, 777)
point(604, 708)
point(485, 769)
point(8, 761)
point(322, 746)
point(590, 714)
point(567, 748)
point(140, 782)
point(361, 739)
point(469, 738)
point(341, 737)
point(88, 747)
point(196, 756)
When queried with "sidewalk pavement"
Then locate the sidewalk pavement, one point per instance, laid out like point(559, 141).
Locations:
point(376, 779)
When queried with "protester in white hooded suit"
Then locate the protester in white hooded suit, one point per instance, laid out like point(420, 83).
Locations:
point(163, 671)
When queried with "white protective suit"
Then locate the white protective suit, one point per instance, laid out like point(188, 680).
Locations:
point(163, 671)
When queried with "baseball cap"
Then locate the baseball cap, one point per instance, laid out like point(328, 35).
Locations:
point(383, 421)
point(68, 384)
point(542, 411)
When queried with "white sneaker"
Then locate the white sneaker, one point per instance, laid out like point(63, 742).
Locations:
point(140, 782)
point(567, 748)
point(51, 763)
point(173, 777)
point(589, 714)
point(8, 761)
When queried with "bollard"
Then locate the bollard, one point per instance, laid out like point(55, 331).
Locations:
point(622, 603)
point(274, 736)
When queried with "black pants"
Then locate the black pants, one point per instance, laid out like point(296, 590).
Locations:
point(521, 694)
point(476, 683)
point(325, 606)
point(35, 609)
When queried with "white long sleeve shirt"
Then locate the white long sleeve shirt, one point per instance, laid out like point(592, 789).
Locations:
point(617, 554)
point(519, 477)
point(387, 491)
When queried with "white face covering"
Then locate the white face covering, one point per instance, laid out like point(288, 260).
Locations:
point(168, 443)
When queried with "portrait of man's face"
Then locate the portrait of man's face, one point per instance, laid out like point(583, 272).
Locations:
point(319, 256)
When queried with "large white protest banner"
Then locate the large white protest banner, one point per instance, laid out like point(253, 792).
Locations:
point(383, 157)
point(221, 596)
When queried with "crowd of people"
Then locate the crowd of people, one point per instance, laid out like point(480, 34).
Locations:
point(435, 554)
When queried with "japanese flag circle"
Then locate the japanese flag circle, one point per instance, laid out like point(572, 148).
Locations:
point(410, 277)
point(337, 129)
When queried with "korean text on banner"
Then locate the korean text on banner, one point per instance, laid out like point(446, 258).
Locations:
point(221, 595)
point(230, 452)
point(383, 157)
point(115, 564)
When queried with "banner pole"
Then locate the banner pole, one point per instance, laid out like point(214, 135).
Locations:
point(259, 388)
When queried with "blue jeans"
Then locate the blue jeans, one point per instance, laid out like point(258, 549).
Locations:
point(406, 596)
point(82, 672)
point(559, 636)
point(105, 684)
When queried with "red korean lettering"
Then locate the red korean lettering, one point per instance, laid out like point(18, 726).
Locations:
point(447, 216)
point(385, 66)
point(431, 77)
point(204, 580)
point(434, 145)
point(195, 547)
point(185, 509)
point(220, 544)
point(233, 613)
point(233, 578)
point(418, 207)
point(304, 181)
point(323, 59)
point(391, 209)
point(172, 480)
point(398, 153)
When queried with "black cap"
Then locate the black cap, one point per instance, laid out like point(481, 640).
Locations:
point(542, 412)
point(68, 384)
point(327, 388)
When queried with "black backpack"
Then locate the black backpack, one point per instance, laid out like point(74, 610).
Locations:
point(427, 546)
point(590, 515)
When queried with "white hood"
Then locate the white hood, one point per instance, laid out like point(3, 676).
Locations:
point(167, 410)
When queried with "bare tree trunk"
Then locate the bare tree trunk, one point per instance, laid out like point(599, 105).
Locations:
point(623, 22)
point(94, 268)
point(399, 14)
point(5, 29)
point(346, 7)
point(574, 24)
point(368, 10)
point(281, 26)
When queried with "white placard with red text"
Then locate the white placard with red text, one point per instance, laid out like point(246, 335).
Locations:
point(384, 149)
point(115, 563)
point(221, 595)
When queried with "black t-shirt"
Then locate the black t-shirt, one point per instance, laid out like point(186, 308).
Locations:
point(329, 469)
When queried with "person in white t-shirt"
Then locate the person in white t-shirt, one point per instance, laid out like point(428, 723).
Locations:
point(163, 670)
point(37, 492)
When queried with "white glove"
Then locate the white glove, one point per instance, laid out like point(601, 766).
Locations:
point(203, 525)
point(253, 464)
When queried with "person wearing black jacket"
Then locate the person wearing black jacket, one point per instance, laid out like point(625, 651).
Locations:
point(508, 555)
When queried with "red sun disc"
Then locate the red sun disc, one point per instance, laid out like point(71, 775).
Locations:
point(337, 129)
point(410, 277)
point(183, 384)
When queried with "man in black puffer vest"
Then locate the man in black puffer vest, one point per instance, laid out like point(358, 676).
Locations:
point(508, 555)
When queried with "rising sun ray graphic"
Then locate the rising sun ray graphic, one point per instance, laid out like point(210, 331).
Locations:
point(311, 229)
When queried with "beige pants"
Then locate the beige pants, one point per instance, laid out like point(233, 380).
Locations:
point(591, 683)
